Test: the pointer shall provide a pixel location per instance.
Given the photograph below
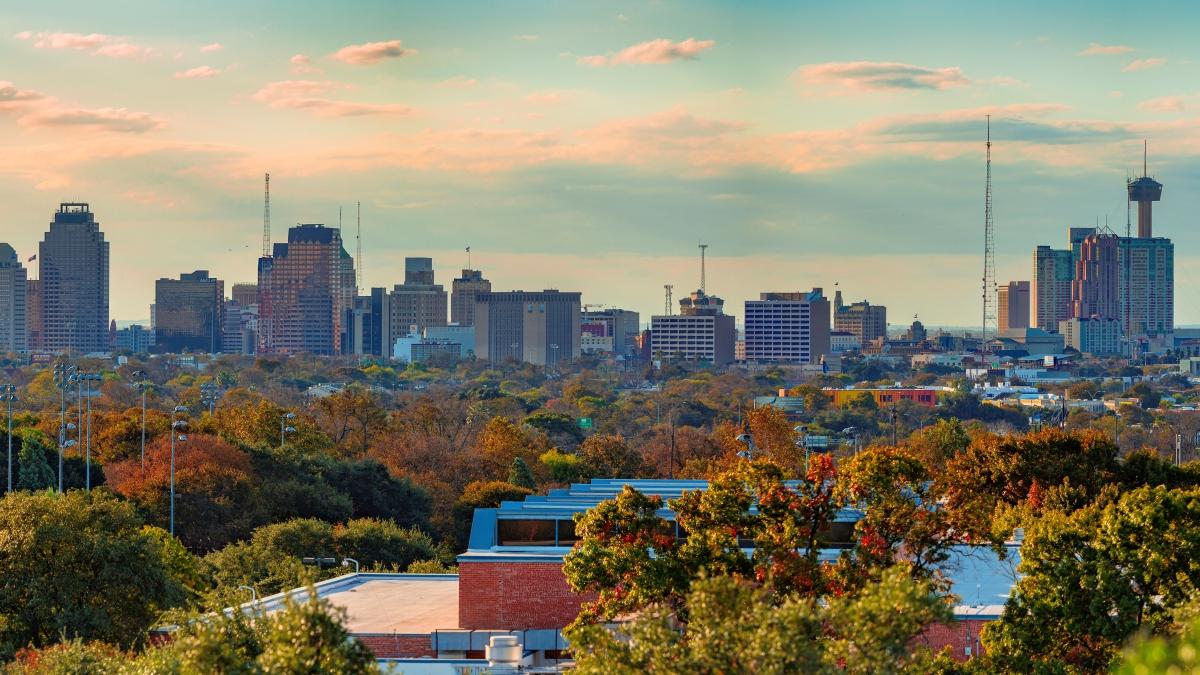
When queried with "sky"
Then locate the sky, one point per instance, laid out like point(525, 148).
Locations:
point(591, 146)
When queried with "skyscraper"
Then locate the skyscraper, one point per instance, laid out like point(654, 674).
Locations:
point(301, 293)
point(245, 294)
point(418, 301)
point(1053, 271)
point(537, 327)
point(13, 290)
point(1095, 290)
point(1147, 268)
point(73, 263)
point(33, 313)
point(189, 313)
point(1013, 305)
point(787, 328)
point(369, 325)
point(702, 331)
point(462, 296)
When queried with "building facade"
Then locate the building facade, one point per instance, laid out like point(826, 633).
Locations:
point(136, 338)
point(1050, 295)
point(369, 325)
point(246, 295)
point(621, 326)
point(537, 327)
point(462, 296)
point(302, 299)
point(73, 263)
point(418, 301)
point(1012, 305)
point(13, 312)
point(1094, 289)
point(700, 332)
point(1096, 336)
point(787, 328)
point(189, 313)
point(866, 321)
point(1146, 275)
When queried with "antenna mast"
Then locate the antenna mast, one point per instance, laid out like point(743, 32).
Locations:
point(989, 253)
point(703, 286)
point(266, 215)
point(667, 305)
point(358, 261)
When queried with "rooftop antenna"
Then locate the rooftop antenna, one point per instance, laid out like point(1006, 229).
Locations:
point(703, 286)
point(266, 215)
point(469, 258)
point(1145, 150)
point(667, 306)
point(358, 261)
point(989, 253)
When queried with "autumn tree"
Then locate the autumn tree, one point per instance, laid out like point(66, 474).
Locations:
point(351, 418)
point(481, 495)
point(610, 457)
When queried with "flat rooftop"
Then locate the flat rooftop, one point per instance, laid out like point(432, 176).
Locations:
point(380, 603)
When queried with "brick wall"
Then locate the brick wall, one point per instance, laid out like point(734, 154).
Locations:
point(398, 646)
point(515, 596)
point(957, 635)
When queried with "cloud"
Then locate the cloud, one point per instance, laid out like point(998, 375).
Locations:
point(872, 76)
point(302, 65)
point(212, 48)
point(525, 38)
point(546, 98)
point(1097, 49)
point(97, 43)
point(459, 82)
point(197, 73)
point(311, 95)
point(657, 51)
point(1164, 104)
point(13, 98)
point(1143, 64)
point(371, 52)
point(118, 120)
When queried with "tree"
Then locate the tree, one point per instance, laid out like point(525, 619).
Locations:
point(351, 418)
point(375, 493)
point(481, 495)
point(737, 627)
point(520, 475)
point(1092, 578)
point(609, 457)
point(33, 471)
point(78, 565)
point(564, 467)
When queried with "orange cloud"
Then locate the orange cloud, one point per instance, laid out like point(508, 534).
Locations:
point(873, 76)
point(119, 120)
point(657, 51)
point(1143, 64)
point(371, 52)
point(212, 48)
point(1097, 49)
point(310, 95)
point(97, 43)
point(199, 72)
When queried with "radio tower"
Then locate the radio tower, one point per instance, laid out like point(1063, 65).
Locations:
point(266, 215)
point(703, 288)
point(667, 305)
point(989, 252)
point(358, 260)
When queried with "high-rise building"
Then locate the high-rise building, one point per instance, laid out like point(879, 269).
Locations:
point(1097, 336)
point(73, 264)
point(136, 338)
point(418, 301)
point(189, 313)
point(1013, 305)
point(369, 325)
point(787, 328)
point(462, 296)
point(302, 299)
point(1053, 271)
point(1146, 276)
point(33, 313)
point(536, 327)
point(245, 294)
point(617, 328)
point(13, 290)
point(702, 331)
point(866, 321)
point(1094, 290)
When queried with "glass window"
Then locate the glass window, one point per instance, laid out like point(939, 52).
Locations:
point(526, 532)
point(566, 533)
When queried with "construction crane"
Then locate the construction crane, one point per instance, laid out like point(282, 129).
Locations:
point(668, 310)
point(266, 215)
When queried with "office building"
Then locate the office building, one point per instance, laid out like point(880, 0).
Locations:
point(537, 327)
point(620, 326)
point(841, 342)
point(700, 332)
point(33, 313)
point(1012, 305)
point(13, 293)
point(1096, 336)
point(136, 339)
point(246, 295)
point(1050, 295)
point(189, 313)
point(787, 328)
point(302, 298)
point(1094, 290)
point(369, 325)
point(462, 335)
point(418, 301)
point(73, 264)
point(1146, 276)
point(866, 321)
point(462, 296)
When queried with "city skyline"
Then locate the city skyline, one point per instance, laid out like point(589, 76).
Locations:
point(590, 147)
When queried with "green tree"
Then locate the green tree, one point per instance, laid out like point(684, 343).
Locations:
point(736, 627)
point(78, 565)
point(33, 470)
point(520, 475)
point(481, 495)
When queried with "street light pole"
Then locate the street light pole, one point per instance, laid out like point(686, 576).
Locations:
point(284, 428)
point(90, 378)
point(176, 424)
point(9, 394)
